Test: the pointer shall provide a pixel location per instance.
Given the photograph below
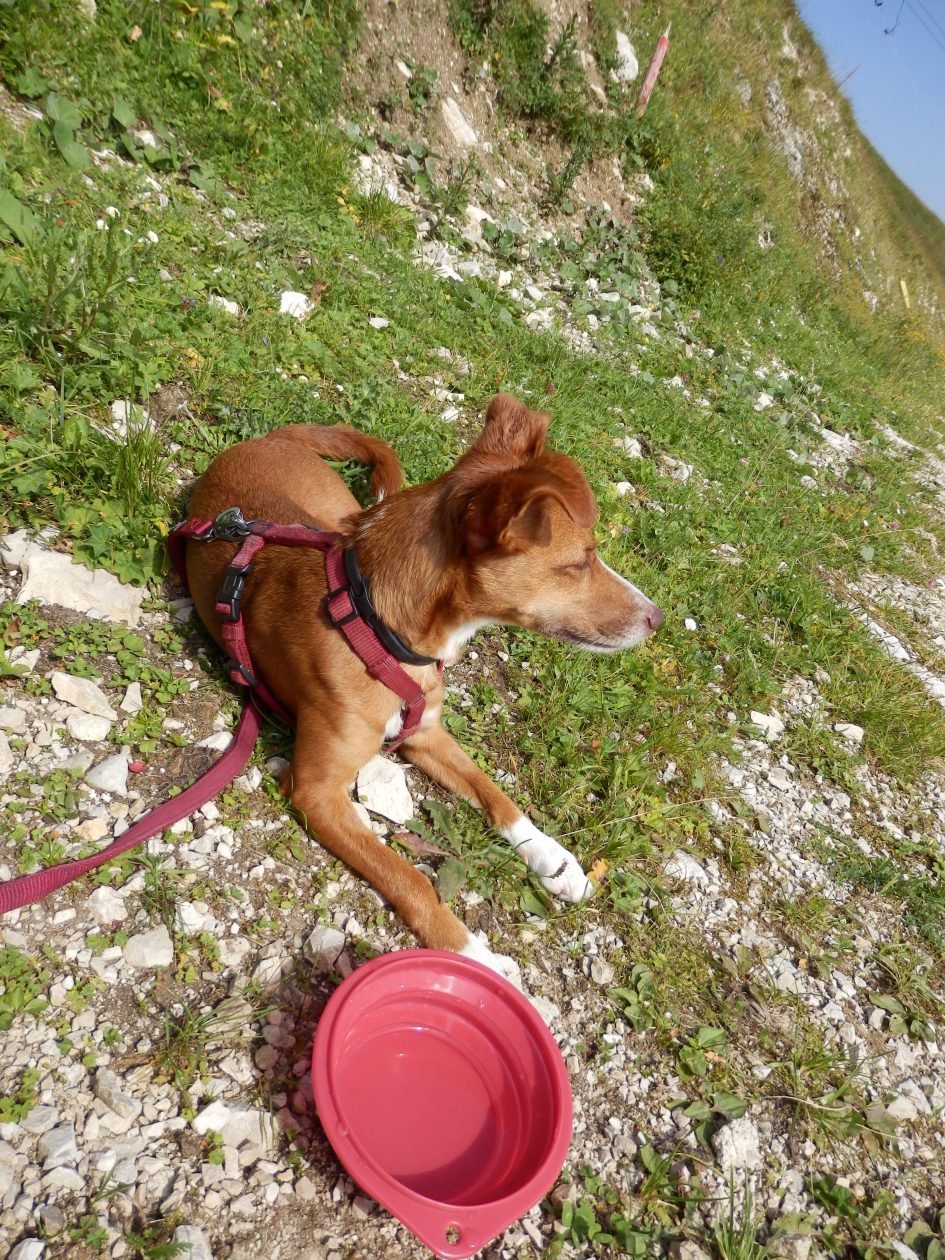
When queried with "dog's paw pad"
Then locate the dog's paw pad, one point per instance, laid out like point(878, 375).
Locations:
point(479, 952)
point(570, 884)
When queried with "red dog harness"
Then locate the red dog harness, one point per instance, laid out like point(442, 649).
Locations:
point(349, 607)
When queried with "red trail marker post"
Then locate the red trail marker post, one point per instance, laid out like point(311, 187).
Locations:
point(652, 73)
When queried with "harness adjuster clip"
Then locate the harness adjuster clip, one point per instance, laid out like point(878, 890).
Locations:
point(342, 619)
point(231, 589)
point(231, 525)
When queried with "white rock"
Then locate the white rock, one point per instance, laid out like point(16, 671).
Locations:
point(106, 907)
point(237, 1124)
point(50, 577)
point(684, 867)
point(780, 779)
point(58, 1146)
point(82, 694)
point(219, 741)
point(475, 217)
point(850, 731)
point(623, 488)
point(223, 304)
point(150, 949)
point(378, 322)
point(736, 1145)
point(107, 1088)
point(193, 1242)
point(770, 723)
point(133, 701)
point(212, 1119)
point(457, 125)
point(295, 304)
point(28, 1249)
point(382, 787)
point(86, 727)
point(323, 946)
point(93, 829)
point(601, 971)
point(233, 949)
point(110, 775)
point(6, 756)
point(628, 66)
point(763, 402)
point(631, 445)
point(11, 719)
point(902, 1108)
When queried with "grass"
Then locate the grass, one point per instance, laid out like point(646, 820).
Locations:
point(255, 194)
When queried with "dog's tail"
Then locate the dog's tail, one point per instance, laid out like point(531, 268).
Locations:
point(338, 441)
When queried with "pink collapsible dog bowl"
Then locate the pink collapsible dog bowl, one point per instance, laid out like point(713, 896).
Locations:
point(443, 1094)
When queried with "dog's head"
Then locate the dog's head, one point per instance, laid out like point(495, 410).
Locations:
point(524, 519)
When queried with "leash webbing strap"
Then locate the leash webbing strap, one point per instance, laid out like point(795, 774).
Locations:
point(15, 893)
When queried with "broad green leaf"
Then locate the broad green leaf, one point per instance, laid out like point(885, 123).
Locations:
point(123, 114)
point(59, 109)
point(18, 218)
point(729, 1105)
point(886, 1002)
point(450, 878)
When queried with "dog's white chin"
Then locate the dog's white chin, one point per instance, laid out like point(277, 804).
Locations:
point(604, 646)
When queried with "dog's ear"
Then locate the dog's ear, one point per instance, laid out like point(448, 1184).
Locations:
point(511, 513)
point(512, 431)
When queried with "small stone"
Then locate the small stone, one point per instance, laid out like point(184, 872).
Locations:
point(233, 949)
point(305, 1189)
point(601, 971)
point(110, 775)
point(684, 867)
point(106, 907)
point(88, 728)
point(28, 1249)
point(40, 1120)
point(789, 1246)
point(150, 949)
point(223, 304)
point(457, 125)
point(382, 787)
point(193, 1243)
point(133, 701)
point(736, 1145)
point(323, 946)
point(82, 694)
point(686, 1249)
point(780, 779)
point(295, 304)
point(6, 756)
point(378, 322)
point(92, 830)
point(628, 67)
point(850, 731)
point(58, 1146)
point(902, 1108)
point(771, 723)
point(107, 1088)
point(12, 719)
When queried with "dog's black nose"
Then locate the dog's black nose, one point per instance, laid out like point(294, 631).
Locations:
point(655, 617)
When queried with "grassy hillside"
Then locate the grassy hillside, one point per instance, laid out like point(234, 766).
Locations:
point(708, 303)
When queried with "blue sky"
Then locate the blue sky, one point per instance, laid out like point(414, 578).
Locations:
point(898, 93)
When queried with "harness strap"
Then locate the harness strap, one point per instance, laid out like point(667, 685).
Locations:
point(376, 659)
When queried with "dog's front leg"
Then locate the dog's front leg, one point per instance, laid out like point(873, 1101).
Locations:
point(438, 755)
point(325, 761)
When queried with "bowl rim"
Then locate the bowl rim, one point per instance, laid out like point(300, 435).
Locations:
point(423, 1215)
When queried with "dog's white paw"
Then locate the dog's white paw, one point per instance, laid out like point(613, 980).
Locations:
point(560, 871)
point(476, 949)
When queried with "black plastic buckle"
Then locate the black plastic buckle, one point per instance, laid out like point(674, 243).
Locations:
point(231, 589)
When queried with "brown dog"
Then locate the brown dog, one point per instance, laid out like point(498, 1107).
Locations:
point(505, 536)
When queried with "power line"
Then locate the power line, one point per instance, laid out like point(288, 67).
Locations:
point(925, 24)
point(932, 18)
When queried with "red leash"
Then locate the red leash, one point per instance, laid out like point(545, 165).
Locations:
point(350, 609)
